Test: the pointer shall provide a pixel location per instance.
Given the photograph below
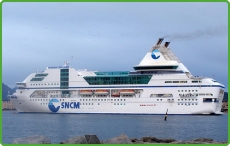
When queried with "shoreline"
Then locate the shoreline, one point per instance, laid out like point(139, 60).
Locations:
point(121, 139)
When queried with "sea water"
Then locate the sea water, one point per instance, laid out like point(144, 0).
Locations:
point(59, 127)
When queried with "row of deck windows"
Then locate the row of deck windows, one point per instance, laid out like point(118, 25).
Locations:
point(44, 84)
point(182, 81)
point(113, 80)
point(99, 104)
point(187, 104)
point(187, 90)
point(44, 99)
point(102, 100)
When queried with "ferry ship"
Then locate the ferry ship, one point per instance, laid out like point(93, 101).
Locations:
point(160, 83)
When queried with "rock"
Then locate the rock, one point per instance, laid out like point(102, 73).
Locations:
point(134, 140)
point(92, 139)
point(35, 139)
point(198, 141)
point(75, 140)
point(122, 139)
point(208, 140)
point(157, 140)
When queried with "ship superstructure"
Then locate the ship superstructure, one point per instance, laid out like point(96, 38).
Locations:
point(159, 83)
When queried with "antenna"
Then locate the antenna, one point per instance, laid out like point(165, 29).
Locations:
point(66, 63)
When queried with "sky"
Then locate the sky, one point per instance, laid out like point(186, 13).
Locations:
point(112, 36)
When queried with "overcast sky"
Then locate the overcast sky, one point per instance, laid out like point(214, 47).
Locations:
point(112, 36)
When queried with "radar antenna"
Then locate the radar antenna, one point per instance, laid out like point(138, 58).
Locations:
point(66, 63)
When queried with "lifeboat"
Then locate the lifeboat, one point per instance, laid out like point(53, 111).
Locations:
point(86, 92)
point(116, 95)
point(127, 92)
point(101, 92)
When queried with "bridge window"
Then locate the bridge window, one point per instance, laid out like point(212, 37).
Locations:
point(207, 99)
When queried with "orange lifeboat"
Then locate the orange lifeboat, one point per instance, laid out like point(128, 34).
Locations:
point(116, 95)
point(101, 92)
point(86, 92)
point(127, 92)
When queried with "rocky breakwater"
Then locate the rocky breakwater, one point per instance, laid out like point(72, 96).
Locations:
point(122, 139)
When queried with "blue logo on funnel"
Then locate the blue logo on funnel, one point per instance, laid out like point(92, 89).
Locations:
point(52, 106)
point(154, 56)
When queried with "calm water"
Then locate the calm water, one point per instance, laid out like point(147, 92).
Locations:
point(63, 126)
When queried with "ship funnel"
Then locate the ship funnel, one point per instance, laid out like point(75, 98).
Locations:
point(159, 41)
point(166, 44)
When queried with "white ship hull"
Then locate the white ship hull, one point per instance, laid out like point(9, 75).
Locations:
point(123, 105)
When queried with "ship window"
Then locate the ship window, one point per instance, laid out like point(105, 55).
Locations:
point(114, 99)
point(92, 103)
point(114, 103)
point(124, 99)
point(36, 79)
point(98, 103)
point(178, 99)
point(157, 99)
point(117, 99)
point(183, 81)
point(168, 81)
point(175, 81)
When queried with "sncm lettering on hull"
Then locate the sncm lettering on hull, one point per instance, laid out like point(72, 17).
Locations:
point(54, 105)
point(74, 105)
